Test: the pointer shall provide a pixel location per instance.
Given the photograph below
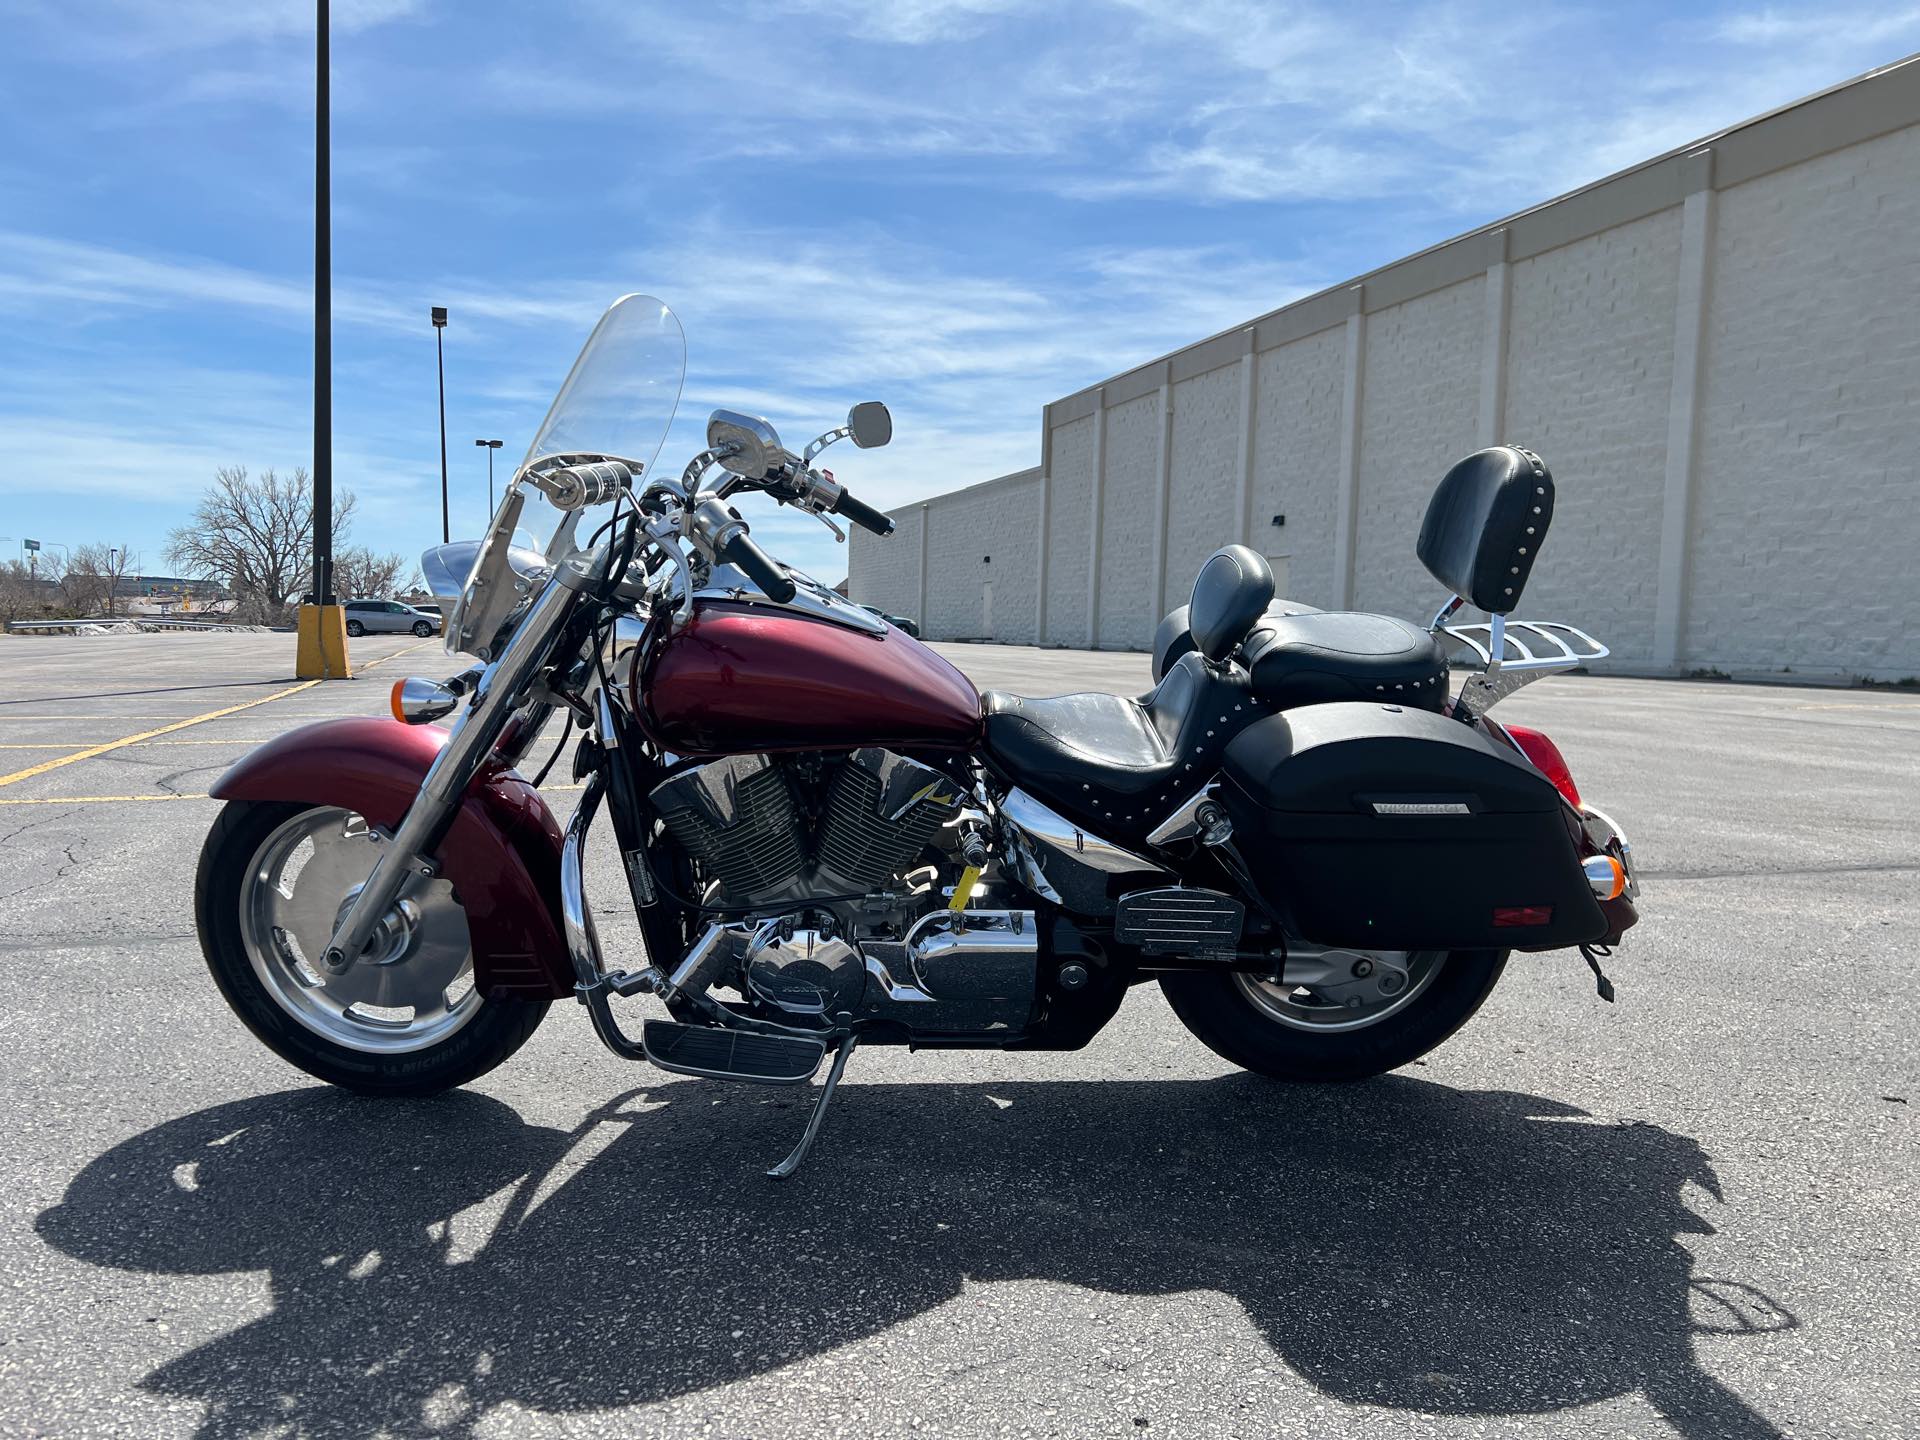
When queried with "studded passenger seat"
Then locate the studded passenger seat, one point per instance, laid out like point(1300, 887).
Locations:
point(1120, 766)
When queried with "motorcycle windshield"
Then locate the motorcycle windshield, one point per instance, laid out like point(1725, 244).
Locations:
point(620, 396)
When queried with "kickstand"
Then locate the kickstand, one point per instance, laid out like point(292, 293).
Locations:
point(792, 1163)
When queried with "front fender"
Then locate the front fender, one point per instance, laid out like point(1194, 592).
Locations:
point(502, 851)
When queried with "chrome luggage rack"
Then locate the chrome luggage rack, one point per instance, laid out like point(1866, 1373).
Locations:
point(1515, 653)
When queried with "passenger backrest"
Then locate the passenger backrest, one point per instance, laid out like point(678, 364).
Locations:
point(1485, 524)
point(1230, 593)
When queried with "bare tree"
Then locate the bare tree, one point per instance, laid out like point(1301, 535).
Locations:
point(121, 562)
point(23, 594)
point(93, 575)
point(359, 572)
point(83, 584)
point(255, 536)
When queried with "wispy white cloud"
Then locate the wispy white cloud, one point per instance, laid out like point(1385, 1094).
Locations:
point(135, 30)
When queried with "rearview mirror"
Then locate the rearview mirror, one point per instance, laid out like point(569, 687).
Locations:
point(870, 425)
point(748, 445)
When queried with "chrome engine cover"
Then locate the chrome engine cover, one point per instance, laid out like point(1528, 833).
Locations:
point(805, 971)
point(956, 971)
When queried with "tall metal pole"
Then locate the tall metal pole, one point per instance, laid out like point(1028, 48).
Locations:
point(489, 446)
point(322, 316)
point(440, 362)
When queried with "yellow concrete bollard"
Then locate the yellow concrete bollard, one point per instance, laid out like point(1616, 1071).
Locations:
point(323, 644)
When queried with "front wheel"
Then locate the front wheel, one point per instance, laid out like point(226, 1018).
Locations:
point(406, 1019)
point(1336, 1031)
point(355, 629)
point(422, 629)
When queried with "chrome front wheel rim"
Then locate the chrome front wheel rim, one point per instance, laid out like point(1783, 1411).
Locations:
point(413, 985)
point(1321, 991)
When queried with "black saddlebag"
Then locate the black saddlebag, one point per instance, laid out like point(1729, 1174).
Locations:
point(1391, 828)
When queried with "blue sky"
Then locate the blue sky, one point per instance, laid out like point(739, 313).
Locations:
point(964, 207)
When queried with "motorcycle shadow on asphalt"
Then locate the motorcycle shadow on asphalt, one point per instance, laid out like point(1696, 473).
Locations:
point(1397, 1243)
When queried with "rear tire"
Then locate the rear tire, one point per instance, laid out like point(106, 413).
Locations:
point(1221, 1015)
point(235, 861)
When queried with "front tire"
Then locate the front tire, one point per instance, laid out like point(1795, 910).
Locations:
point(272, 880)
point(355, 629)
point(422, 629)
point(1238, 1020)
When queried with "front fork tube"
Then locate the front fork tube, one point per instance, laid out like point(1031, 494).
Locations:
point(445, 785)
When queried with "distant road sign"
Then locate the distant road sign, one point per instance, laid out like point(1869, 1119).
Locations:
point(32, 544)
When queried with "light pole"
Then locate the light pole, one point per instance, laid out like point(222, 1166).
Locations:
point(320, 649)
point(322, 311)
point(490, 446)
point(440, 362)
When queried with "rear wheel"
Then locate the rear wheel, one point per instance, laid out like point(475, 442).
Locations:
point(406, 1019)
point(1367, 1012)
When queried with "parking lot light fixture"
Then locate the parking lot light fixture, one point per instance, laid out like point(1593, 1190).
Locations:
point(440, 364)
point(490, 446)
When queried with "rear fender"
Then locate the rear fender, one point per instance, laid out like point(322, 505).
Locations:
point(502, 851)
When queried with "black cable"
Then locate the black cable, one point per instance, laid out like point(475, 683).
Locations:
point(565, 731)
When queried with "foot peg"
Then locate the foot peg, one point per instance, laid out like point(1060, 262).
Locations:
point(732, 1054)
point(792, 1163)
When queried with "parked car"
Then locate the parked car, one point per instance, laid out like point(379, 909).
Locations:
point(390, 617)
point(898, 621)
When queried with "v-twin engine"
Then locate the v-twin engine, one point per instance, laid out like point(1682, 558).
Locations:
point(839, 863)
point(768, 830)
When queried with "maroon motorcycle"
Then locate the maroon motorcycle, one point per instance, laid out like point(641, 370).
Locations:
point(829, 837)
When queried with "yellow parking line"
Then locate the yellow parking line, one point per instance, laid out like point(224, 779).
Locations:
point(77, 744)
point(96, 799)
point(44, 766)
point(398, 653)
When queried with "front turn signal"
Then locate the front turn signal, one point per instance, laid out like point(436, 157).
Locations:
point(1606, 875)
point(417, 700)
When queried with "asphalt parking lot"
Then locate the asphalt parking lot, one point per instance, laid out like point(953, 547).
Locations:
point(1690, 1213)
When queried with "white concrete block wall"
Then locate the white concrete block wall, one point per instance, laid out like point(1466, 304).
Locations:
point(1073, 445)
point(985, 535)
point(885, 570)
point(1806, 519)
point(1296, 459)
point(1204, 477)
point(1127, 519)
point(1589, 370)
point(1421, 390)
point(1717, 353)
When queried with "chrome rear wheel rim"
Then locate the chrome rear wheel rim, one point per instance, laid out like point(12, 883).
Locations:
point(413, 986)
point(1331, 1009)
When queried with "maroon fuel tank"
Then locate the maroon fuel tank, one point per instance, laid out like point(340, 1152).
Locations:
point(739, 678)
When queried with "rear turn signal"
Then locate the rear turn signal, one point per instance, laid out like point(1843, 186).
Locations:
point(1606, 875)
point(1547, 759)
point(417, 700)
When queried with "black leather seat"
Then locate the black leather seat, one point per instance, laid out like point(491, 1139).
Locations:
point(1120, 766)
point(1115, 764)
point(1342, 655)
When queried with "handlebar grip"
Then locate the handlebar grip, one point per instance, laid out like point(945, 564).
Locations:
point(758, 566)
point(863, 514)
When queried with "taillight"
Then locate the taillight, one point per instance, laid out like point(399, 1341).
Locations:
point(1546, 758)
